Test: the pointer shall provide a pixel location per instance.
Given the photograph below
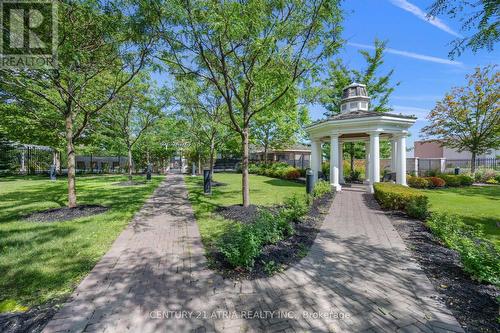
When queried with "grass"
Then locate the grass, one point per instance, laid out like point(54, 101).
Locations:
point(264, 191)
point(41, 262)
point(475, 204)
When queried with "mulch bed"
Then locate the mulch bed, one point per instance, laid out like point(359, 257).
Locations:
point(286, 252)
point(33, 320)
point(65, 213)
point(472, 303)
point(130, 183)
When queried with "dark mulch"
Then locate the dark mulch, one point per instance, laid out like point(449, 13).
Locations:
point(130, 183)
point(472, 303)
point(239, 213)
point(33, 320)
point(65, 213)
point(283, 254)
point(218, 184)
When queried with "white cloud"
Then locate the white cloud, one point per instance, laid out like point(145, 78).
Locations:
point(420, 113)
point(412, 55)
point(409, 7)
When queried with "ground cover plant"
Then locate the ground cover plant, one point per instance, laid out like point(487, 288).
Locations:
point(276, 170)
point(43, 261)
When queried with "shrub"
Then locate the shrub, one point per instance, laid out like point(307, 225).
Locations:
point(321, 188)
point(465, 180)
point(418, 182)
point(451, 180)
point(436, 181)
point(491, 181)
point(268, 228)
point(478, 255)
point(296, 206)
point(398, 197)
point(240, 246)
point(291, 173)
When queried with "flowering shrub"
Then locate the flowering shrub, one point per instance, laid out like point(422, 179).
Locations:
point(436, 181)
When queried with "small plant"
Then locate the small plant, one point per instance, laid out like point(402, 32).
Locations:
point(303, 251)
point(321, 188)
point(271, 267)
point(296, 206)
point(240, 246)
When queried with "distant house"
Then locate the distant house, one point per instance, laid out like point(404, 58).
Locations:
point(434, 149)
point(297, 155)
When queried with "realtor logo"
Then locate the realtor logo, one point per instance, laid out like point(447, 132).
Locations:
point(29, 34)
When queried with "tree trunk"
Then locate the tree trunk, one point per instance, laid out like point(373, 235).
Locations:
point(212, 153)
point(129, 163)
point(265, 154)
point(245, 189)
point(473, 163)
point(351, 155)
point(71, 160)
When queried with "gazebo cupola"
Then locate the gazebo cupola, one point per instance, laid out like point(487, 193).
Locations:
point(354, 98)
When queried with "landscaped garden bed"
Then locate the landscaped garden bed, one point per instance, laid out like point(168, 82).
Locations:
point(461, 260)
point(264, 238)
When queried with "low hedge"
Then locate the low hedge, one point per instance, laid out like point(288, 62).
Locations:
point(479, 256)
point(276, 170)
point(399, 197)
point(457, 180)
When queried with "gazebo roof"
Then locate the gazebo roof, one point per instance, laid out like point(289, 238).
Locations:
point(361, 114)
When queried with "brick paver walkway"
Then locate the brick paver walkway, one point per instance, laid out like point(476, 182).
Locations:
point(358, 277)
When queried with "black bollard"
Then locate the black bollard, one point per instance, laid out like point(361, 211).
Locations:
point(52, 172)
point(193, 173)
point(309, 181)
point(207, 182)
point(457, 171)
point(148, 172)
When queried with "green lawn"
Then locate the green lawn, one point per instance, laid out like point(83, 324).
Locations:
point(476, 204)
point(263, 191)
point(40, 262)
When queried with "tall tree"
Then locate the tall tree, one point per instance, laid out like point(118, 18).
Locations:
point(480, 16)
point(280, 128)
point(99, 53)
point(468, 118)
point(135, 110)
point(203, 108)
point(252, 52)
point(378, 86)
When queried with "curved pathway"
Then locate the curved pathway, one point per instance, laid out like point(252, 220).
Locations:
point(358, 277)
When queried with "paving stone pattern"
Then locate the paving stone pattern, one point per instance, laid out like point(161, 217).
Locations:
point(358, 277)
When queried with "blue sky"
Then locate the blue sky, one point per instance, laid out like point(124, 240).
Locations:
point(418, 52)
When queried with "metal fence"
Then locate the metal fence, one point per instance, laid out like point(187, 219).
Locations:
point(485, 163)
point(28, 159)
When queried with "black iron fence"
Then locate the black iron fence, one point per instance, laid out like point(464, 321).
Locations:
point(485, 163)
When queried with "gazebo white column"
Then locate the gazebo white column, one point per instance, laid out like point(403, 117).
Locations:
point(341, 163)
point(401, 160)
point(374, 157)
point(334, 163)
point(315, 155)
point(367, 162)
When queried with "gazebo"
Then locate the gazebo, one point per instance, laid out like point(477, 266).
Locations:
point(356, 122)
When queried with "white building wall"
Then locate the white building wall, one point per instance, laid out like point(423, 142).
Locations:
point(453, 154)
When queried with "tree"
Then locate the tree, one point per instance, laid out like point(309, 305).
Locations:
point(252, 52)
point(203, 108)
point(468, 118)
point(135, 110)
point(99, 53)
point(280, 128)
point(7, 148)
point(378, 86)
point(480, 16)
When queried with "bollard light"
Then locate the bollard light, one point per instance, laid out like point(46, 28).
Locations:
point(207, 182)
point(309, 181)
